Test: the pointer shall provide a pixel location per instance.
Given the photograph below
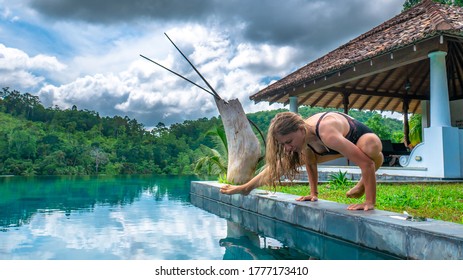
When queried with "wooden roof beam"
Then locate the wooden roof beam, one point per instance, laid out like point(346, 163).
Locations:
point(371, 79)
point(352, 103)
point(418, 103)
point(394, 107)
point(400, 82)
point(340, 103)
point(322, 94)
point(383, 94)
point(328, 101)
point(417, 67)
point(387, 104)
point(365, 102)
point(276, 98)
point(376, 103)
point(307, 97)
point(452, 73)
point(421, 83)
point(386, 77)
point(459, 64)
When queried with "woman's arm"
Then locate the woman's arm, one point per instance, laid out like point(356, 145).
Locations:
point(310, 160)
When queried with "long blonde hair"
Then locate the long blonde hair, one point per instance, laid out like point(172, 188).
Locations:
point(280, 163)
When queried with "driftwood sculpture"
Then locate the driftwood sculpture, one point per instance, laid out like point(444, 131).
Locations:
point(243, 145)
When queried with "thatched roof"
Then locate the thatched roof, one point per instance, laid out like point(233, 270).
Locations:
point(372, 69)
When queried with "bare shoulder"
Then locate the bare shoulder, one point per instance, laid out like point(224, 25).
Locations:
point(333, 124)
point(312, 120)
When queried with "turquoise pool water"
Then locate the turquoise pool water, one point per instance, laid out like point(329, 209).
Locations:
point(140, 217)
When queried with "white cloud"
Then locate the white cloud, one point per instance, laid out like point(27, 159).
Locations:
point(151, 94)
point(264, 56)
point(70, 54)
point(19, 79)
point(12, 59)
point(20, 71)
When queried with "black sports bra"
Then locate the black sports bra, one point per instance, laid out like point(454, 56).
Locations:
point(356, 130)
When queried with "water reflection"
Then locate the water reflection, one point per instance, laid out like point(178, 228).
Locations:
point(142, 217)
point(247, 231)
point(105, 218)
point(243, 244)
point(21, 197)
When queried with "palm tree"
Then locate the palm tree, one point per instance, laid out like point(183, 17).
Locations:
point(212, 162)
point(215, 161)
point(415, 130)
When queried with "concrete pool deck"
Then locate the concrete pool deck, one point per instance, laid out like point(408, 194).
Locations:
point(384, 231)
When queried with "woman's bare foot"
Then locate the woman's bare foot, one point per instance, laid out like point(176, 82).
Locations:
point(230, 189)
point(357, 191)
point(363, 206)
point(307, 198)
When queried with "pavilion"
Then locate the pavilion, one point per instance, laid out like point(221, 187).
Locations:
point(412, 63)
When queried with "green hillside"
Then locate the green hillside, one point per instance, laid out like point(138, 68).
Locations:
point(51, 141)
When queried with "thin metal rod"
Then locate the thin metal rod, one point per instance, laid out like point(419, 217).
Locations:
point(173, 72)
point(213, 93)
point(184, 56)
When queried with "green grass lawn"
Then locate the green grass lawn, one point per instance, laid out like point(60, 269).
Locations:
point(440, 201)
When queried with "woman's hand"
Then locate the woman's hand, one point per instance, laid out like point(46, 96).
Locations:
point(231, 189)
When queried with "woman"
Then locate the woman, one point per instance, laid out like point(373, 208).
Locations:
point(293, 141)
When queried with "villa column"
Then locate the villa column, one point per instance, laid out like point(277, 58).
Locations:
point(293, 106)
point(440, 105)
point(441, 151)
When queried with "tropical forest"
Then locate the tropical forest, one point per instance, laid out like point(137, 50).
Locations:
point(35, 140)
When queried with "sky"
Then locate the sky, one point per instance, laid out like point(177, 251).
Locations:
point(87, 52)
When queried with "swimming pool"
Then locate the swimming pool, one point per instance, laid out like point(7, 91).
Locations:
point(142, 217)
